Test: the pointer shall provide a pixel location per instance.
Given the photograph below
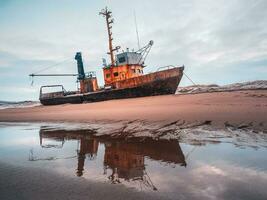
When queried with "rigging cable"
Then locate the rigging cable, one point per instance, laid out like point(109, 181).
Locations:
point(189, 79)
point(136, 30)
point(49, 67)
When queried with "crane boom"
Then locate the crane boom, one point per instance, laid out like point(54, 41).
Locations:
point(144, 51)
point(32, 75)
point(81, 74)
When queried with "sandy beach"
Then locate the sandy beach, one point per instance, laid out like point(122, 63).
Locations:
point(240, 108)
point(215, 131)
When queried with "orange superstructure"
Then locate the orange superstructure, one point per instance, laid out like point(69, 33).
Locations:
point(89, 84)
point(119, 73)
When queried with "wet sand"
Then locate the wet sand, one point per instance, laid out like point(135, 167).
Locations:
point(218, 108)
point(35, 183)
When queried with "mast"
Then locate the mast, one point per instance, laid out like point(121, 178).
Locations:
point(109, 20)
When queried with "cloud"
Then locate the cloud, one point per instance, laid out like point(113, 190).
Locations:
point(206, 36)
point(202, 180)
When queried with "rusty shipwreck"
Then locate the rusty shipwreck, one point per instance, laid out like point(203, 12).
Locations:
point(124, 77)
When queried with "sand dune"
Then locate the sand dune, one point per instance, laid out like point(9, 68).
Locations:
point(196, 89)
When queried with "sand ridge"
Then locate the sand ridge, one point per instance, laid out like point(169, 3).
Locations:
point(236, 108)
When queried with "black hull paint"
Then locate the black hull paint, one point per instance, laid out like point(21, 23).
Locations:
point(62, 100)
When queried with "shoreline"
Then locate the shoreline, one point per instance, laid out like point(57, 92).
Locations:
point(235, 108)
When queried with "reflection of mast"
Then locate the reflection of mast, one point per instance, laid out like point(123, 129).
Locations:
point(81, 159)
point(107, 14)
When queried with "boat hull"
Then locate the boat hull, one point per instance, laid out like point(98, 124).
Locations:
point(160, 87)
point(158, 83)
point(74, 99)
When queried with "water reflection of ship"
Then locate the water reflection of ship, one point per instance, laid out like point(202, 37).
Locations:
point(125, 159)
point(122, 162)
point(87, 146)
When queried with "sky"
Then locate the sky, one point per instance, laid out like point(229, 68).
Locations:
point(218, 42)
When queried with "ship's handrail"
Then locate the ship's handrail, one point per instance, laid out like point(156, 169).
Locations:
point(51, 94)
point(91, 74)
point(52, 86)
point(168, 67)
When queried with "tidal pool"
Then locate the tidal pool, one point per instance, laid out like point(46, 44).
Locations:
point(40, 162)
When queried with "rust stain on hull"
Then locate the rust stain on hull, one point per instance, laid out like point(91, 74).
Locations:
point(157, 83)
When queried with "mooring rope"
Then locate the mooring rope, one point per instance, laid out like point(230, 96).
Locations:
point(189, 79)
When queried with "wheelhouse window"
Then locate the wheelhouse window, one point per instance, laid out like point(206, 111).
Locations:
point(116, 74)
point(122, 59)
point(107, 75)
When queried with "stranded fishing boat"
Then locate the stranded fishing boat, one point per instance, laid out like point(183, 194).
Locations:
point(124, 77)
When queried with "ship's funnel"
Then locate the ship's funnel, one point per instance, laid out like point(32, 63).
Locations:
point(81, 74)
